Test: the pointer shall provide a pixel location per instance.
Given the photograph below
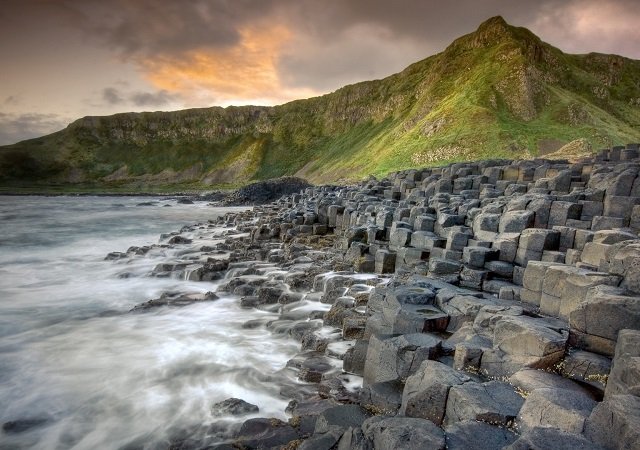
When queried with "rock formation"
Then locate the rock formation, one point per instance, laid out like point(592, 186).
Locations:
point(491, 304)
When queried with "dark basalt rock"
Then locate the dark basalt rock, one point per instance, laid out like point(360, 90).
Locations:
point(22, 425)
point(176, 299)
point(265, 191)
point(233, 407)
point(486, 270)
point(179, 240)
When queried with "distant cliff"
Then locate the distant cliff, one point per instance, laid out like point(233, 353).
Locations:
point(497, 92)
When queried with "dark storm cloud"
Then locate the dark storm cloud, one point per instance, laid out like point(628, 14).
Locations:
point(148, 27)
point(18, 127)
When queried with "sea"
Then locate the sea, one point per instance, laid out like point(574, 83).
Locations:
point(78, 370)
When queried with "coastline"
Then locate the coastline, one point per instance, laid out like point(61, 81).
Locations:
point(444, 290)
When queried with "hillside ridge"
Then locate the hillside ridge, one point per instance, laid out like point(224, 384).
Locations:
point(499, 91)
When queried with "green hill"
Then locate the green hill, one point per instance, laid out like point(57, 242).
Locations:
point(497, 92)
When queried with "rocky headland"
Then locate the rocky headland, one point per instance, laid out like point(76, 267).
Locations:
point(482, 305)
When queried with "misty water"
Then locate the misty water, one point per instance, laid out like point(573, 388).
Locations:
point(77, 369)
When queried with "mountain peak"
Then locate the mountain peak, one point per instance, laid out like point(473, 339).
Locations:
point(494, 23)
point(491, 31)
point(495, 31)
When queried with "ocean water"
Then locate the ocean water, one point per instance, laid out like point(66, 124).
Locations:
point(77, 369)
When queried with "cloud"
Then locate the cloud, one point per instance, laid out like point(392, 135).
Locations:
point(12, 100)
point(244, 73)
point(204, 52)
point(18, 127)
point(274, 50)
point(159, 98)
point(112, 96)
point(592, 26)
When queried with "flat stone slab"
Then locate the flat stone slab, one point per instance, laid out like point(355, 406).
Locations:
point(493, 402)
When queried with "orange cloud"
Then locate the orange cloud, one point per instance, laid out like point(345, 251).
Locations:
point(242, 74)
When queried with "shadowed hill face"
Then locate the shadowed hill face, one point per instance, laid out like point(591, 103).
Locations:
point(497, 92)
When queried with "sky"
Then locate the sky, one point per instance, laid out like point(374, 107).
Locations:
point(64, 59)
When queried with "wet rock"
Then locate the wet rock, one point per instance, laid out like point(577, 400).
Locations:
point(179, 240)
point(265, 433)
point(176, 299)
point(113, 256)
point(233, 407)
point(270, 292)
point(335, 388)
point(24, 424)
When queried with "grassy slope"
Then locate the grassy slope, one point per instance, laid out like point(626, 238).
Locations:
point(498, 92)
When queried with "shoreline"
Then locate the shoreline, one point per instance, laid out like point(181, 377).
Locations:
point(482, 282)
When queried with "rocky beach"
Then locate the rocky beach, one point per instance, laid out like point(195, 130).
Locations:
point(482, 305)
